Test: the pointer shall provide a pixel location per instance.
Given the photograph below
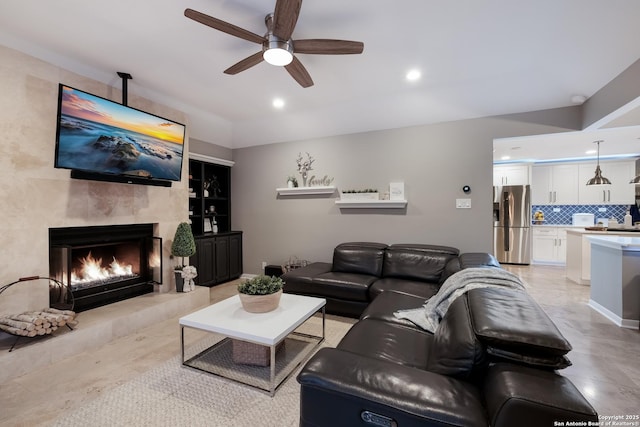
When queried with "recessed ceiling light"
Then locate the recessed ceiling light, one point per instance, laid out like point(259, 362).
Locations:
point(278, 103)
point(414, 75)
point(505, 158)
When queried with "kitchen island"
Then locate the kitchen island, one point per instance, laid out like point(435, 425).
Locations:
point(579, 251)
point(615, 278)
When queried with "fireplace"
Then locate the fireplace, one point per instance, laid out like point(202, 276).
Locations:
point(105, 264)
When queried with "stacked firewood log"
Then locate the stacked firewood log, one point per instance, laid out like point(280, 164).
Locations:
point(35, 323)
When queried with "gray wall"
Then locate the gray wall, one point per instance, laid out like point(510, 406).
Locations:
point(617, 93)
point(434, 161)
point(209, 149)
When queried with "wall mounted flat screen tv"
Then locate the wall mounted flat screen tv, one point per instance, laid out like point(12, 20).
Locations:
point(100, 139)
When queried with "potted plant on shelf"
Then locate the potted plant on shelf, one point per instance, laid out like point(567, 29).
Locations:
point(261, 293)
point(183, 245)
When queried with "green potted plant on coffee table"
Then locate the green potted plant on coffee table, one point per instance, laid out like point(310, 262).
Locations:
point(183, 245)
point(260, 294)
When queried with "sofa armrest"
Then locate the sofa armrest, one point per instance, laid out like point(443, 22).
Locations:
point(521, 396)
point(351, 384)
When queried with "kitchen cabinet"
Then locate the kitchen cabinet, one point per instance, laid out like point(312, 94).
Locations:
point(511, 175)
point(549, 245)
point(620, 192)
point(554, 184)
point(218, 258)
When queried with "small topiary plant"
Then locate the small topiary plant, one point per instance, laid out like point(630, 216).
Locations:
point(261, 285)
point(184, 245)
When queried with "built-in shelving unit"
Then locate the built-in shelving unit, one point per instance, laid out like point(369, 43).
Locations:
point(371, 204)
point(218, 256)
point(207, 204)
point(305, 191)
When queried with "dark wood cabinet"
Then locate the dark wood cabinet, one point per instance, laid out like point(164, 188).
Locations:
point(218, 255)
point(235, 255)
point(218, 258)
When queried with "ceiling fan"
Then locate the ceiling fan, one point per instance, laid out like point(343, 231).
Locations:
point(277, 45)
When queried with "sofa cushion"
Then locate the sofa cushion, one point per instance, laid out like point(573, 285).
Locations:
point(388, 341)
point(359, 258)
point(296, 280)
point(477, 259)
point(385, 304)
point(423, 290)
point(417, 262)
point(542, 362)
point(514, 326)
point(347, 286)
point(455, 349)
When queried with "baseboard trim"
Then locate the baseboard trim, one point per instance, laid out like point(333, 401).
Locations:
point(619, 321)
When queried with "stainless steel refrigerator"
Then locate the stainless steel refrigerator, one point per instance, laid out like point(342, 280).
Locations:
point(512, 224)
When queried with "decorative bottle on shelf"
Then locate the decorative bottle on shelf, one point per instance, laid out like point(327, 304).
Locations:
point(627, 219)
point(214, 225)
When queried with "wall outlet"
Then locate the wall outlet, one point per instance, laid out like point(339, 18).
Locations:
point(602, 209)
point(264, 265)
point(557, 209)
point(463, 203)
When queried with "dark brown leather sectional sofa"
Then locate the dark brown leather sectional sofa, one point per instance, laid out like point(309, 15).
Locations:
point(494, 360)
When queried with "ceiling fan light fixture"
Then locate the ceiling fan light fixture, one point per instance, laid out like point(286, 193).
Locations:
point(277, 52)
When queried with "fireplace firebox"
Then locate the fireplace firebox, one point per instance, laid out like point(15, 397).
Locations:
point(105, 264)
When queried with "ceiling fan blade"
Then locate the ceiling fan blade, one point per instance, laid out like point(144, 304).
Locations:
point(327, 46)
point(246, 63)
point(225, 27)
point(299, 73)
point(285, 17)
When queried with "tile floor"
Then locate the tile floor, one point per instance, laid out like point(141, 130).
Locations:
point(606, 358)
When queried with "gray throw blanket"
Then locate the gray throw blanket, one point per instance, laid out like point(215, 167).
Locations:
point(429, 315)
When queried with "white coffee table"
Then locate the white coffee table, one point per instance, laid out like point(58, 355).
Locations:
point(229, 319)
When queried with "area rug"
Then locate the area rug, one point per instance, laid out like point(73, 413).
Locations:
point(173, 395)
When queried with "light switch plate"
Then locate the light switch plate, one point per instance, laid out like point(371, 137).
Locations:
point(463, 203)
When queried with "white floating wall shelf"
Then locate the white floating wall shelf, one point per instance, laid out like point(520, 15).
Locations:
point(305, 191)
point(371, 204)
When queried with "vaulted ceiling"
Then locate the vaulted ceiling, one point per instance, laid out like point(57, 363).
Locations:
point(476, 58)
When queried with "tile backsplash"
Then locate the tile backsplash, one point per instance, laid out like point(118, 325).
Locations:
point(561, 214)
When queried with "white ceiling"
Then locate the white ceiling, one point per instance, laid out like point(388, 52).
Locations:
point(477, 59)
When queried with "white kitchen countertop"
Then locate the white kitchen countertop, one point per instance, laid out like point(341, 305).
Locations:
point(630, 244)
point(557, 225)
point(581, 231)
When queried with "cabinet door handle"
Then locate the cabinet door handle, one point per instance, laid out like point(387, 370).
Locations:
point(550, 197)
point(609, 195)
point(604, 197)
point(554, 197)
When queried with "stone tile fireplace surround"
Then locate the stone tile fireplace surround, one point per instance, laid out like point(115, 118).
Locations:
point(36, 196)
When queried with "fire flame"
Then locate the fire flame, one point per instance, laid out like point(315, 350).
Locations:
point(92, 270)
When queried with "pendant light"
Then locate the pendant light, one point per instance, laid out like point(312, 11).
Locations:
point(598, 179)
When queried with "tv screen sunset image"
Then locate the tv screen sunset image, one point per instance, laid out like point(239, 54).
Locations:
point(98, 135)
